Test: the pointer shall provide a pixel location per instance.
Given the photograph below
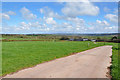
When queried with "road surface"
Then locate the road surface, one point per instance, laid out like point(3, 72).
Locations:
point(92, 63)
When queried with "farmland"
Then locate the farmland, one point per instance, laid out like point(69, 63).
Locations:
point(17, 55)
point(51, 37)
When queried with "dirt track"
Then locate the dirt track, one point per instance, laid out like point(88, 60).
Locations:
point(92, 63)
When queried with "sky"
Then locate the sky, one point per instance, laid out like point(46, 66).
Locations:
point(59, 17)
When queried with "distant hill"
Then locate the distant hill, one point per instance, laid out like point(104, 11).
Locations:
point(97, 34)
point(76, 34)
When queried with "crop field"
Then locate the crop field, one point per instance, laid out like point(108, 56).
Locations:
point(19, 55)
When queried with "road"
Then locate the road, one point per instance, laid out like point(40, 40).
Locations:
point(91, 63)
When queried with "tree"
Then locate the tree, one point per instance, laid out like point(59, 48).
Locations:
point(64, 38)
point(98, 38)
point(114, 38)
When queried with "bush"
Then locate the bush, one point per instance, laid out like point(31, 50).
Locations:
point(64, 38)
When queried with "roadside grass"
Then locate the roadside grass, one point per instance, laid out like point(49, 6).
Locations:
point(115, 65)
point(19, 55)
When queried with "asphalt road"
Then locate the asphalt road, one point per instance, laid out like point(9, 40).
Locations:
point(91, 63)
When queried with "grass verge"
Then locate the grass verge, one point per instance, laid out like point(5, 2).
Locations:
point(114, 67)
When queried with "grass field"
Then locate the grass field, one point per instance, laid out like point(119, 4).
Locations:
point(19, 55)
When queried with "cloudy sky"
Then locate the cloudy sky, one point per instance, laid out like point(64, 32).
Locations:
point(59, 17)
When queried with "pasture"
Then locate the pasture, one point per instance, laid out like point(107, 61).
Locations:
point(19, 55)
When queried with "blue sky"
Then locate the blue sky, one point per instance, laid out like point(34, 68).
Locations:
point(59, 17)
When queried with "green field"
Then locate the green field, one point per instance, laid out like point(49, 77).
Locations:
point(18, 55)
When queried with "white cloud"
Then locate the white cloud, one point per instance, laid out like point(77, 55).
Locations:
point(78, 23)
point(108, 27)
point(67, 25)
point(5, 16)
point(70, 25)
point(49, 13)
point(27, 14)
point(102, 27)
point(62, 27)
point(11, 13)
point(87, 0)
point(112, 17)
point(70, 22)
point(73, 9)
point(31, 25)
point(35, 24)
point(111, 29)
point(24, 26)
point(50, 20)
point(102, 23)
point(75, 20)
point(72, 0)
